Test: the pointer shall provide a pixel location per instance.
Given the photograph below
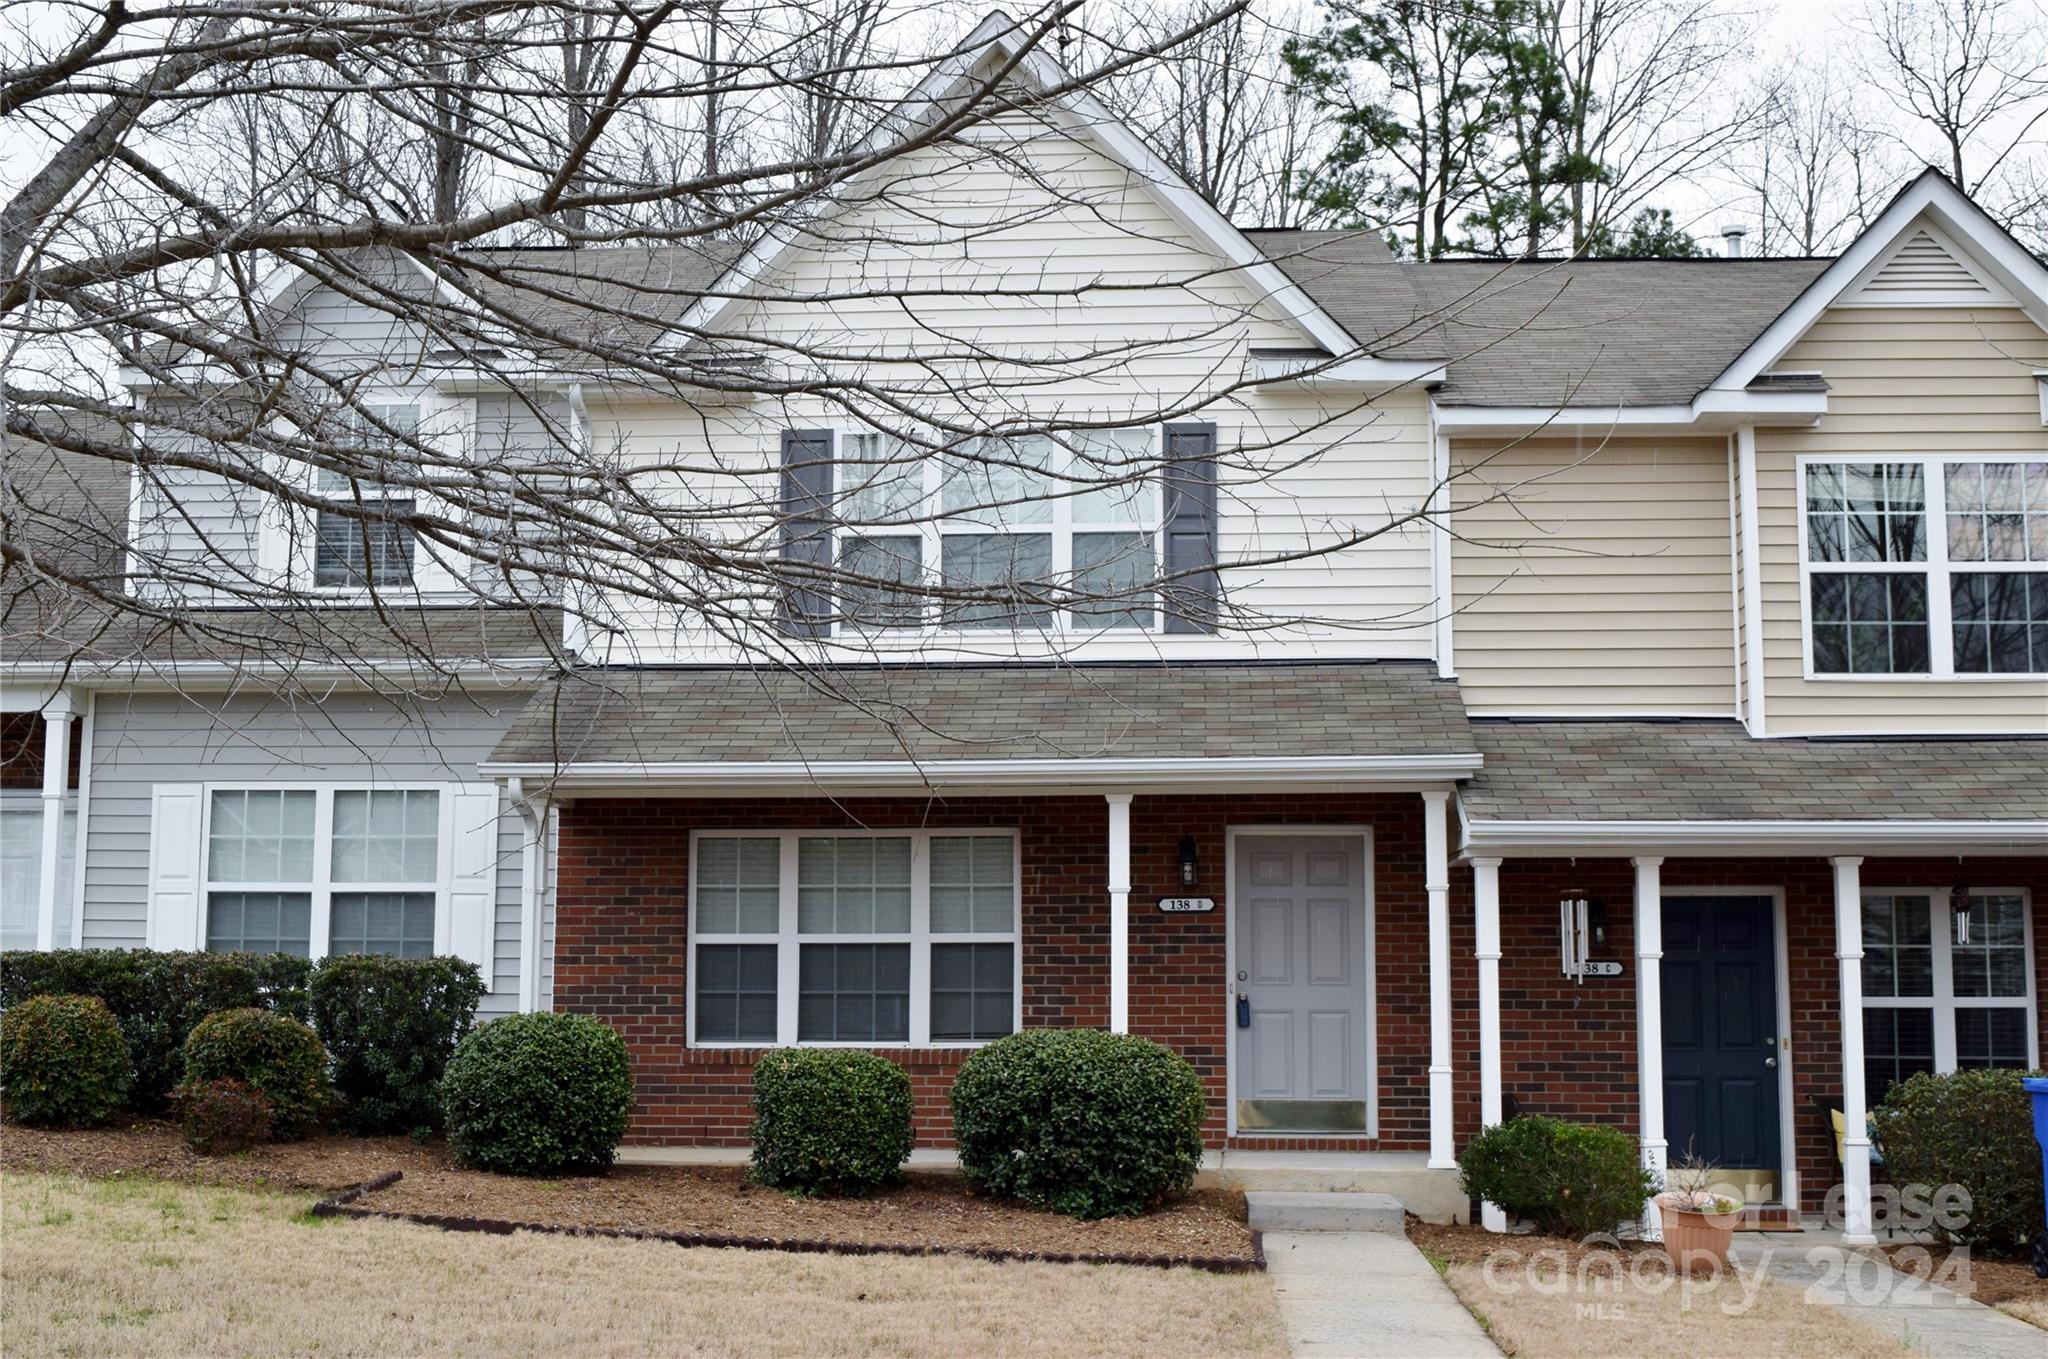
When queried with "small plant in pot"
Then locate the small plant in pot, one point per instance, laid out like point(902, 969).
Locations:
point(1698, 1219)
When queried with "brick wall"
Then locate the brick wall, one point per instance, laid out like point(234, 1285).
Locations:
point(1569, 1049)
point(622, 933)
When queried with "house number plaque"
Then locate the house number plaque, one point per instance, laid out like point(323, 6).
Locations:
point(1186, 905)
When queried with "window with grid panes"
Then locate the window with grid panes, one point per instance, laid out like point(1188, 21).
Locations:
point(1943, 988)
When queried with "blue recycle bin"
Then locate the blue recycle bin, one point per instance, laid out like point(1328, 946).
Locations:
point(2037, 1087)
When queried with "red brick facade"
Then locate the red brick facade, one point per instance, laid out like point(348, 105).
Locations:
point(1568, 1049)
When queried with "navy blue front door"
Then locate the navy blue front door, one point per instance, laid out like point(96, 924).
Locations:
point(1721, 1031)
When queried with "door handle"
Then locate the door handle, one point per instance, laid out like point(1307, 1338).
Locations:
point(1771, 1062)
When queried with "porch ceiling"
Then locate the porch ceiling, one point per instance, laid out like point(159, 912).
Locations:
point(1022, 725)
point(1708, 787)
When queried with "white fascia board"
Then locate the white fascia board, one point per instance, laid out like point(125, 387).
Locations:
point(1538, 839)
point(1989, 246)
point(1711, 410)
point(1325, 371)
point(1279, 771)
point(381, 676)
point(996, 39)
point(2041, 381)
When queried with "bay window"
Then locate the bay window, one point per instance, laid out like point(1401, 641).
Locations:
point(313, 871)
point(1946, 985)
point(863, 938)
point(1926, 566)
point(1026, 519)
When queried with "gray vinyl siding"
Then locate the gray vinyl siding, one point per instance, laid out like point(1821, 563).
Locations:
point(143, 739)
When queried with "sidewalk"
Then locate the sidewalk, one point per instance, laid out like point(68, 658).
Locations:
point(1367, 1293)
point(1926, 1316)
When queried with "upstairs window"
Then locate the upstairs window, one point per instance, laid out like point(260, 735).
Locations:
point(1926, 566)
point(1025, 520)
point(373, 548)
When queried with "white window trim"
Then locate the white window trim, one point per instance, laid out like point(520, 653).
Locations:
point(1937, 568)
point(789, 942)
point(291, 535)
point(933, 525)
point(1944, 1002)
point(319, 929)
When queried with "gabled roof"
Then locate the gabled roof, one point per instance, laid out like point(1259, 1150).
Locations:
point(997, 41)
point(1932, 197)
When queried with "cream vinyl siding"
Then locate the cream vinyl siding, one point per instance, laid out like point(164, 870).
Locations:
point(1904, 380)
point(1090, 260)
point(1593, 576)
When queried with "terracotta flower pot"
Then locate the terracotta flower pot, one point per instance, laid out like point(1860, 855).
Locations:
point(1695, 1237)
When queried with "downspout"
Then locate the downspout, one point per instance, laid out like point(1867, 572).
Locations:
point(82, 829)
point(533, 821)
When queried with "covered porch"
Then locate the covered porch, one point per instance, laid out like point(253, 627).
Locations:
point(1735, 946)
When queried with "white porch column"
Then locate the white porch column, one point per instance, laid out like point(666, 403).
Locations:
point(1443, 1154)
point(1856, 1226)
point(56, 785)
point(1650, 1027)
point(1119, 912)
point(1486, 937)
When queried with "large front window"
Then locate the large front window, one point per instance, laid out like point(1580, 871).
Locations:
point(1926, 566)
point(1945, 987)
point(1059, 534)
point(313, 871)
point(872, 939)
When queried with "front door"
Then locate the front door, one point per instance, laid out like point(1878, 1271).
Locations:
point(1300, 1002)
point(1721, 1035)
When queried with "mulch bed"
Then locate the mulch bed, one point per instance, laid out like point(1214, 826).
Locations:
point(926, 1212)
point(1989, 1281)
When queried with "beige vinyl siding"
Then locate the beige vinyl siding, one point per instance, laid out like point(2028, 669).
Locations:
point(1110, 310)
point(1903, 380)
point(1593, 576)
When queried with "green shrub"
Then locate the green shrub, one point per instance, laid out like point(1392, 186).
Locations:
point(222, 1117)
point(62, 1061)
point(157, 998)
point(829, 1120)
point(1570, 1179)
point(1974, 1129)
point(390, 1025)
point(274, 1055)
point(1080, 1121)
point(537, 1094)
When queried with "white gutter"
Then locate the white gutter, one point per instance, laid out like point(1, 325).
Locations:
point(1710, 410)
point(1322, 370)
point(1538, 838)
point(147, 674)
point(1277, 771)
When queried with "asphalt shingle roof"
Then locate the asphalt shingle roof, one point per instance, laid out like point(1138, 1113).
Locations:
point(1546, 332)
point(989, 712)
point(1715, 771)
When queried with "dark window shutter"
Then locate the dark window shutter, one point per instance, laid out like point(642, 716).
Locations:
point(1189, 552)
point(806, 528)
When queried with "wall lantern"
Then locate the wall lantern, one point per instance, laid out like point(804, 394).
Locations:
point(1187, 861)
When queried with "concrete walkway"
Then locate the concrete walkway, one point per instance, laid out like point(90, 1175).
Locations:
point(1368, 1293)
point(1930, 1318)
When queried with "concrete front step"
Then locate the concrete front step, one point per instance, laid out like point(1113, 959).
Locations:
point(1343, 1212)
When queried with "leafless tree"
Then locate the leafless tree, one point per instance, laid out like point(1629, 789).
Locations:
point(1816, 170)
point(617, 464)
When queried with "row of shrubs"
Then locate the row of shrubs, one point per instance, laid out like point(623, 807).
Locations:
point(1973, 1129)
point(1079, 1121)
point(388, 1024)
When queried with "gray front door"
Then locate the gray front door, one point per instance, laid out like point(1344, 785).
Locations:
point(1299, 913)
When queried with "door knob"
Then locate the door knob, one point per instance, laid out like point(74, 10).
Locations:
point(1771, 1062)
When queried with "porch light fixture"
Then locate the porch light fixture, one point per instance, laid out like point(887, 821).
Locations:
point(1187, 861)
point(1959, 911)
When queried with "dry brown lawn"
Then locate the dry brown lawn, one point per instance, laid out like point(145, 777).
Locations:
point(151, 1269)
point(1546, 1298)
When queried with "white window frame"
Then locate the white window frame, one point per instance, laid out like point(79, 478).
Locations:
point(291, 535)
point(932, 525)
point(320, 925)
point(1938, 569)
point(788, 941)
point(1944, 1002)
